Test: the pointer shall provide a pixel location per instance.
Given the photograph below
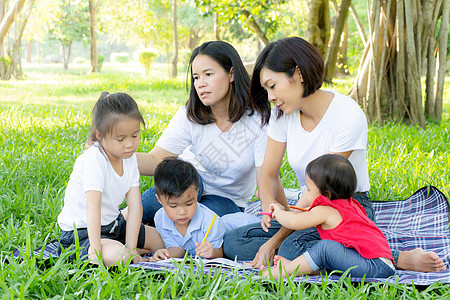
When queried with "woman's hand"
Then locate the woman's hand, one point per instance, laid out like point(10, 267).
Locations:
point(265, 222)
point(265, 254)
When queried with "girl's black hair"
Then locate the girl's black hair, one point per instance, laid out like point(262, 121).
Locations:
point(284, 56)
point(333, 175)
point(226, 56)
point(173, 177)
point(108, 109)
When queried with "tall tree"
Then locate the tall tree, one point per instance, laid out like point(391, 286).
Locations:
point(10, 58)
point(331, 54)
point(93, 8)
point(402, 36)
point(70, 23)
point(318, 33)
point(261, 18)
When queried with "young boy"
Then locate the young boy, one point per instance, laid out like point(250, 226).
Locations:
point(182, 222)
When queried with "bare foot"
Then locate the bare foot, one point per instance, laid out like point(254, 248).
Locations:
point(420, 261)
point(280, 259)
point(275, 270)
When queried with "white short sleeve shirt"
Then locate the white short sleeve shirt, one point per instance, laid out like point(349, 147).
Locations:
point(226, 161)
point(342, 128)
point(93, 172)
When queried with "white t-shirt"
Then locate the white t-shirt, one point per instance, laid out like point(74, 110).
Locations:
point(93, 172)
point(342, 128)
point(225, 161)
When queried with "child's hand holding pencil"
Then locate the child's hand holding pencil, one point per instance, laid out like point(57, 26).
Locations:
point(205, 248)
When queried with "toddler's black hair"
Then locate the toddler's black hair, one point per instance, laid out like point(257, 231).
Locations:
point(333, 175)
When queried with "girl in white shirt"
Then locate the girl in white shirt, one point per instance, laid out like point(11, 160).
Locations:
point(102, 177)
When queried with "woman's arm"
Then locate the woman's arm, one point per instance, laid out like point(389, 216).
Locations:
point(93, 212)
point(269, 183)
point(147, 162)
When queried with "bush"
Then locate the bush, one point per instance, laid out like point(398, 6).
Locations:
point(146, 58)
point(120, 57)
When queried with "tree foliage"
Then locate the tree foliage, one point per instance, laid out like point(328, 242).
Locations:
point(259, 17)
point(69, 23)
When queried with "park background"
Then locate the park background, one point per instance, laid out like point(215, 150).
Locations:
point(46, 96)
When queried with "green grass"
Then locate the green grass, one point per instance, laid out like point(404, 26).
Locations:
point(44, 121)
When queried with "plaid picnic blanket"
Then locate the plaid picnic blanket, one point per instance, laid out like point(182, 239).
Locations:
point(422, 220)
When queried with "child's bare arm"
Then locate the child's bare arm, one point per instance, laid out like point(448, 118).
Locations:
point(206, 250)
point(93, 212)
point(298, 221)
point(134, 219)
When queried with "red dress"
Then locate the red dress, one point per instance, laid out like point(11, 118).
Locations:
point(356, 230)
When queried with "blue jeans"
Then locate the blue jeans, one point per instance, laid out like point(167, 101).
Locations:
point(244, 242)
point(332, 255)
point(218, 204)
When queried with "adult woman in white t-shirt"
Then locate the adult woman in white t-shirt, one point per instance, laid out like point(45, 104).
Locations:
point(217, 131)
point(305, 122)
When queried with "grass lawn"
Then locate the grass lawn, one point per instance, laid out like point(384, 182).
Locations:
point(44, 121)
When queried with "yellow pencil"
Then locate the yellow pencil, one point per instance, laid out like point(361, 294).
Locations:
point(207, 232)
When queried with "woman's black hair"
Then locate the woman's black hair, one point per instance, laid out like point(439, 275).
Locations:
point(284, 56)
point(333, 175)
point(226, 56)
point(108, 109)
point(173, 177)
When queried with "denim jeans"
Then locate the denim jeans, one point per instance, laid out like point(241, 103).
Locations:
point(332, 255)
point(244, 242)
point(218, 204)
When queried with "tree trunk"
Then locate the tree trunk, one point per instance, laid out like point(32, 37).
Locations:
point(358, 23)
point(216, 26)
point(93, 7)
point(402, 35)
point(66, 49)
point(254, 25)
point(331, 56)
point(441, 69)
point(13, 68)
point(342, 61)
point(175, 39)
point(9, 18)
point(29, 52)
point(318, 32)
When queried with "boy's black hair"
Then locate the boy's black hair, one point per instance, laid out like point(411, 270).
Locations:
point(108, 109)
point(333, 175)
point(173, 177)
point(284, 55)
point(228, 58)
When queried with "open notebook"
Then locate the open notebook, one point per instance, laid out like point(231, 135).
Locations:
point(215, 262)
